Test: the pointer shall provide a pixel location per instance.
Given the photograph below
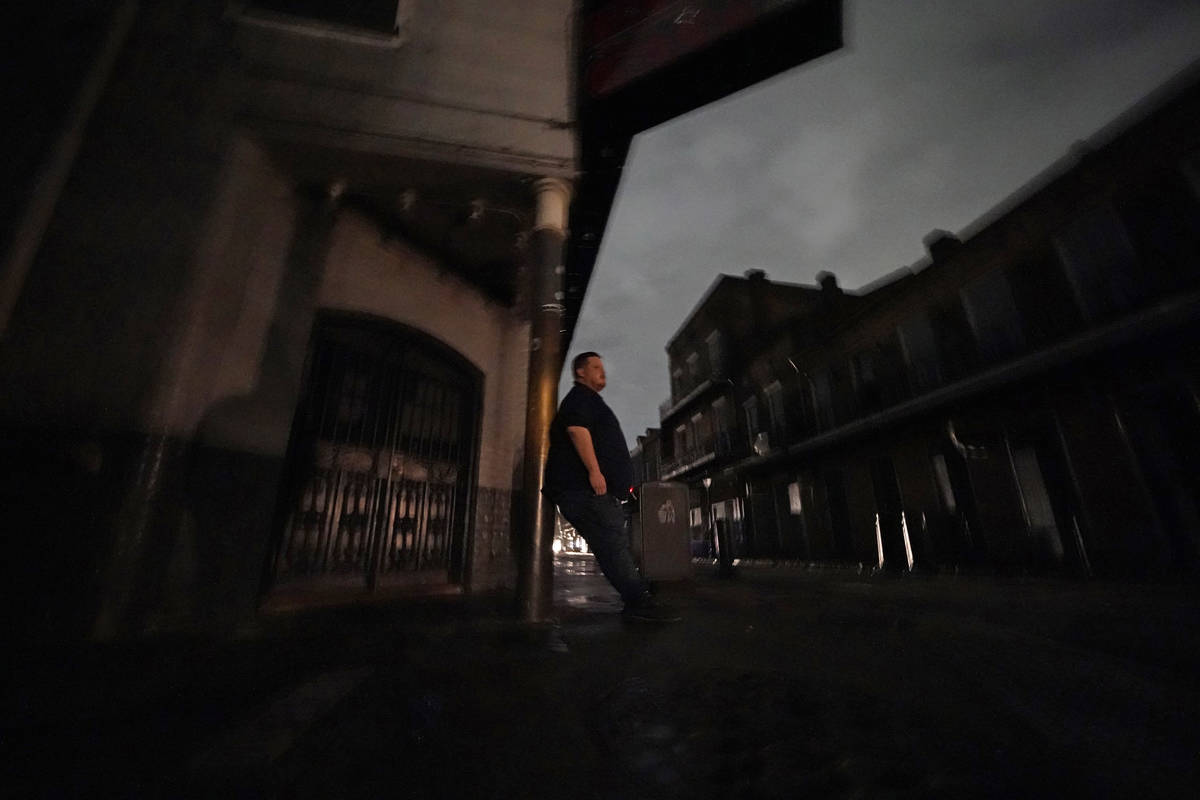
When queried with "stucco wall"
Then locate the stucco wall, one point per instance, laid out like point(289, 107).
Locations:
point(153, 359)
point(218, 350)
point(488, 82)
point(234, 291)
point(365, 274)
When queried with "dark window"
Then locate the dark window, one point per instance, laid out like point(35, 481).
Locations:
point(1164, 225)
point(1100, 262)
point(920, 353)
point(1043, 299)
point(889, 371)
point(808, 404)
point(702, 427)
point(751, 409)
point(716, 353)
point(865, 372)
point(878, 375)
point(842, 391)
point(375, 15)
point(666, 445)
point(722, 422)
point(776, 411)
point(992, 314)
point(822, 389)
point(955, 342)
point(683, 444)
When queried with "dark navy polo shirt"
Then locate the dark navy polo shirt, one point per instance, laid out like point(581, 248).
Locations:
point(565, 471)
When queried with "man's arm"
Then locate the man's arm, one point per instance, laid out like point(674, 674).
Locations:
point(582, 439)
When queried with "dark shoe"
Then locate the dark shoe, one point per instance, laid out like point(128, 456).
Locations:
point(647, 609)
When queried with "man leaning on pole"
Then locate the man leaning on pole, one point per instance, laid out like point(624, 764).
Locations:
point(589, 476)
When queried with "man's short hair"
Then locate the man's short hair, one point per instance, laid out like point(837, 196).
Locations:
point(581, 360)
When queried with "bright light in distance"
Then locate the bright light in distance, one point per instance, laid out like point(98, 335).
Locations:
point(556, 546)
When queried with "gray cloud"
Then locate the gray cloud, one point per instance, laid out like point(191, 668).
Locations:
point(934, 112)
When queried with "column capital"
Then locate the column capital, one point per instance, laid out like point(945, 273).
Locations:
point(553, 199)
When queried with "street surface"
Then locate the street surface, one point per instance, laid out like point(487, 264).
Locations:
point(781, 683)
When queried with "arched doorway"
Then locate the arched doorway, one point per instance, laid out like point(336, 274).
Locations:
point(381, 464)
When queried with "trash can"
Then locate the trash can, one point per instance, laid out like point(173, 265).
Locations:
point(661, 536)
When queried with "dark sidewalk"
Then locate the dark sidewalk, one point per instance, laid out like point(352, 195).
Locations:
point(781, 683)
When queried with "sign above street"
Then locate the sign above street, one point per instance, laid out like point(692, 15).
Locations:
point(643, 62)
point(667, 57)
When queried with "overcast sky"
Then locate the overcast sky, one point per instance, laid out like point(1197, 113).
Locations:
point(933, 113)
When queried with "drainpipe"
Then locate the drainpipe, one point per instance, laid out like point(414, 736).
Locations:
point(535, 559)
point(49, 183)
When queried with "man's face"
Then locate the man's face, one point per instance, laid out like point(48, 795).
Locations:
point(591, 374)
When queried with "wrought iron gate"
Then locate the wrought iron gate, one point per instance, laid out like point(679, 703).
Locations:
point(381, 461)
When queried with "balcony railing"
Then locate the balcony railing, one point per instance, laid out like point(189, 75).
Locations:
point(715, 449)
point(673, 468)
point(689, 387)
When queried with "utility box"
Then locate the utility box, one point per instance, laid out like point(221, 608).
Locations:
point(661, 536)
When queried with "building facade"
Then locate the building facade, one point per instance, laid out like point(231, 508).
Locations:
point(286, 286)
point(1025, 399)
point(266, 324)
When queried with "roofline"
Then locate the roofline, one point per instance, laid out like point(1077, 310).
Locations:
point(1157, 101)
point(712, 288)
point(884, 281)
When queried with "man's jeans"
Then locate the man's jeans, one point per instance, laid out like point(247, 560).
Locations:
point(601, 521)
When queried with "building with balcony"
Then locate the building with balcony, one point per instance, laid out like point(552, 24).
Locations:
point(645, 456)
point(713, 417)
point(1026, 398)
point(706, 420)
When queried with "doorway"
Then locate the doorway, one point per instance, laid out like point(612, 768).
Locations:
point(381, 462)
point(893, 542)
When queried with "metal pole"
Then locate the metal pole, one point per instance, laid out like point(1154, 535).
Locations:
point(535, 558)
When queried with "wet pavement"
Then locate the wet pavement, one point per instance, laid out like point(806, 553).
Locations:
point(784, 682)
